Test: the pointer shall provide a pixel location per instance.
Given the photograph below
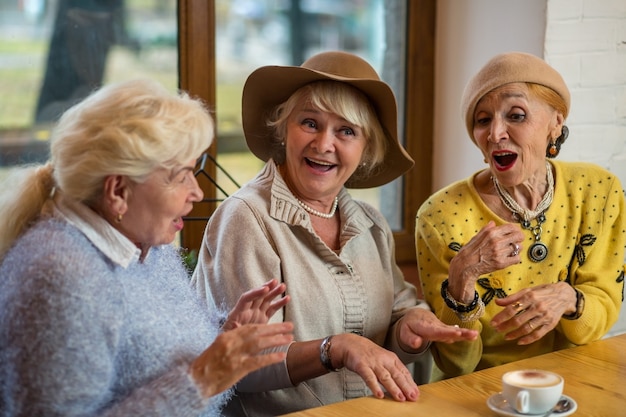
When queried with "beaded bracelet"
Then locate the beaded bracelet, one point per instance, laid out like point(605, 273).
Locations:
point(455, 305)
point(477, 313)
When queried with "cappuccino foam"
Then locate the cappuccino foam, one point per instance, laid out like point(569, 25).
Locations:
point(532, 379)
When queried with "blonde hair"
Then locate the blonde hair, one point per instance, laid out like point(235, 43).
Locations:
point(130, 128)
point(345, 101)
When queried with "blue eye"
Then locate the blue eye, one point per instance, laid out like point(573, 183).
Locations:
point(348, 131)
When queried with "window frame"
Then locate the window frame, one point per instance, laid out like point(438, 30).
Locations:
point(197, 72)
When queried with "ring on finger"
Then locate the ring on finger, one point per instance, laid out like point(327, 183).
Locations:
point(519, 307)
point(530, 324)
point(515, 249)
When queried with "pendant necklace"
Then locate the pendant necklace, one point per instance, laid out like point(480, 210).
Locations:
point(537, 251)
point(319, 213)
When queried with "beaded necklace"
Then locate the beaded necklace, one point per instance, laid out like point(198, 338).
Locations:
point(537, 251)
point(319, 213)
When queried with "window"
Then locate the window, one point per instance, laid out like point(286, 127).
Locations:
point(269, 26)
point(53, 52)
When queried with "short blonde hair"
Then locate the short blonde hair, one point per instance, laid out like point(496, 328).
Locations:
point(345, 101)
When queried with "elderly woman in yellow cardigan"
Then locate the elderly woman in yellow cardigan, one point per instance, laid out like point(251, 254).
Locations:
point(528, 251)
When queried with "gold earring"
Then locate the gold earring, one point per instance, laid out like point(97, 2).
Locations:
point(119, 217)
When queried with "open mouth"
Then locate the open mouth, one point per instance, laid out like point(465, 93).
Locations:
point(504, 160)
point(320, 166)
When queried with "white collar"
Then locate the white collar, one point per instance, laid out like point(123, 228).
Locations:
point(113, 244)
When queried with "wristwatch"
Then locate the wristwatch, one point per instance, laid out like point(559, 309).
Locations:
point(325, 355)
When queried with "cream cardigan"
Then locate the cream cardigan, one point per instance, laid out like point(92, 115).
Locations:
point(260, 233)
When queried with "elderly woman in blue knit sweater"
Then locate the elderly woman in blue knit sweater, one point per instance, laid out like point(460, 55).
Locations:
point(97, 315)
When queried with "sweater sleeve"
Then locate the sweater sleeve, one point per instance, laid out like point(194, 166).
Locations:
point(597, 269)
point(434, 256)
point(63, 328)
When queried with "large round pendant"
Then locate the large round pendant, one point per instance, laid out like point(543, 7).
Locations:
point(538, 252)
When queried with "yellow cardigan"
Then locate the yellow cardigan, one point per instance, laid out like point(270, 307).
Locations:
point(585, 233)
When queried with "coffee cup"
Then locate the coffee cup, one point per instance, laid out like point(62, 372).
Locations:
point(532, 391)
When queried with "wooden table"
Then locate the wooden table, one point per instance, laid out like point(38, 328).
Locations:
point(595, 377)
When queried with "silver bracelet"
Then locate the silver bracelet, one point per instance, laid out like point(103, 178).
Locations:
point(325, 354)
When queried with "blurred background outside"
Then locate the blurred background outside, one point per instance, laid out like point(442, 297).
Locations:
point(54, 52)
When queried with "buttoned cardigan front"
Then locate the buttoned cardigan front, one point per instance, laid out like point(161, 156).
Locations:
point(585, 233)
point(260, 233)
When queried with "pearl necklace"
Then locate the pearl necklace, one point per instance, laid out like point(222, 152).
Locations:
point(319, 213)
point(537, 251)
point(524, 214)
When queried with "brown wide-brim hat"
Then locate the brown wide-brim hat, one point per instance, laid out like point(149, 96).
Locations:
point(506, 68)
point(270, 86)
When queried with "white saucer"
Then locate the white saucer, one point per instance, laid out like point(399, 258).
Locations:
point(498, 404)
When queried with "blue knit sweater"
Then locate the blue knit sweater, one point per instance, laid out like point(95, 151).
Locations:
point(81, 335)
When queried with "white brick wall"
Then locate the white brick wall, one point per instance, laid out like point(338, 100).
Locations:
point(586, 41)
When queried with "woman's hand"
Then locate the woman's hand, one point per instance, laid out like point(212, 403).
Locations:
point(532, 312)
point(236, 353)
point(419, 326)
point(491, 249)
point(257, 305)
point(376, 365)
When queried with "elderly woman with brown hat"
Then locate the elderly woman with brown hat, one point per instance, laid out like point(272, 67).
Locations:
point(532, 253)
point(324, 126)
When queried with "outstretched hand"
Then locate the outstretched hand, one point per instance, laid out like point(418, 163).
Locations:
point(257, 305)
point(419, 326)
